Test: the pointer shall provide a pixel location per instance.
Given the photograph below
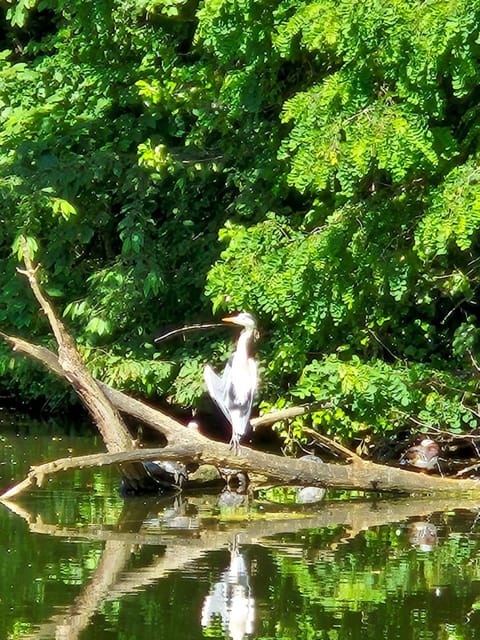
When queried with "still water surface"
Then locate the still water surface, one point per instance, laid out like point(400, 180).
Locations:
point(79, 562)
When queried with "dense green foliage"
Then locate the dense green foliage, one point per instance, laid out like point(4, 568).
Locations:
point(316, 163)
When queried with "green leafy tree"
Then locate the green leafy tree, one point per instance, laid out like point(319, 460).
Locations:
point(312, 162)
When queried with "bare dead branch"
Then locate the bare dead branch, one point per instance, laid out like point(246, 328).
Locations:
point(331, 444)
point(361, 475)
point(191, 327)
point(287, 414)
point(111, 426)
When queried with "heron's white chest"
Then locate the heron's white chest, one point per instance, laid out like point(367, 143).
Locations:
point(244, 377)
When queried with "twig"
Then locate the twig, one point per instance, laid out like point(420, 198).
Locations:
point(286, 414)
point(472, 467)
point(331, 444)
point(382, 344)
point(191, 327)
point(476, 366)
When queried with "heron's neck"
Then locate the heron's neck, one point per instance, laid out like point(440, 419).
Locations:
point(244, 341)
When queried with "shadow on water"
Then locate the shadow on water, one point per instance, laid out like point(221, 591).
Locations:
point(78, 562)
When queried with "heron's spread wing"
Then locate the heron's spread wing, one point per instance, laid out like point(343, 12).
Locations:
point(218, 387)
point(234, 392)
point(241, 400)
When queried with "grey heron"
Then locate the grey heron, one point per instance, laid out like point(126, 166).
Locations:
point(234, 391)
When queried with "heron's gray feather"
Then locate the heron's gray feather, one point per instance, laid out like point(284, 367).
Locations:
point(217, 389)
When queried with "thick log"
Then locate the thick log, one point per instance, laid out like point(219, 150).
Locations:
point(193, 447)
point(189, 446)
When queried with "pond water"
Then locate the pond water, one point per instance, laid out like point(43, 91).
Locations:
point(77, 561)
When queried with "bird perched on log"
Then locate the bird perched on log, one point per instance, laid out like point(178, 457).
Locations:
point(234, 391)
point(423, 456)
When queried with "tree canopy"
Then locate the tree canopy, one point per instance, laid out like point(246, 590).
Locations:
point(313, 162)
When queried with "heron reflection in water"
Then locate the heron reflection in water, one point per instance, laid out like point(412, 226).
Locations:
point(234, 391)
point(230, 599)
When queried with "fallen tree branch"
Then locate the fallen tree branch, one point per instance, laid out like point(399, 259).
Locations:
point(189, 446)
point(361, 474)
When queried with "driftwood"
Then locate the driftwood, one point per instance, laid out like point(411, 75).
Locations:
point(106, 406)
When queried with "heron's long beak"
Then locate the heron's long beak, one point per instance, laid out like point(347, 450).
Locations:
point(231, 319)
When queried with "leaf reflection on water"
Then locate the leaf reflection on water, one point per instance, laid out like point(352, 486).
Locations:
point(188, 528)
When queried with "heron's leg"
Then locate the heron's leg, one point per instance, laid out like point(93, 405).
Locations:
point(235, 445)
